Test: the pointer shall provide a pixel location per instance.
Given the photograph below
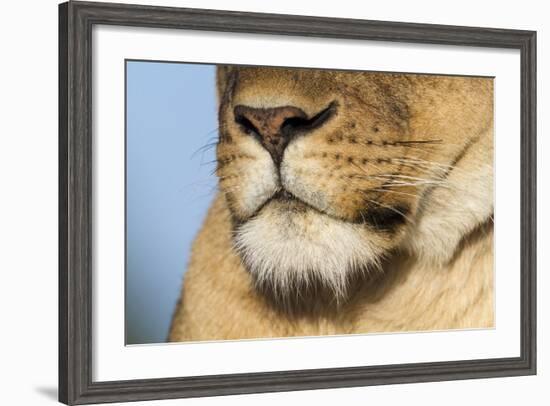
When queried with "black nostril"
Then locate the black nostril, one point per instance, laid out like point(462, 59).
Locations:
point(245, 123)
point(294, 125)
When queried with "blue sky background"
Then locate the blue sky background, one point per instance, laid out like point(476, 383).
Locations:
point(171, 114)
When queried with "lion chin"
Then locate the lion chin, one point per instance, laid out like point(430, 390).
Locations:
point(289, 245)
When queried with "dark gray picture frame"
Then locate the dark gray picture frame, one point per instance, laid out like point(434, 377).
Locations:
point(76, 20)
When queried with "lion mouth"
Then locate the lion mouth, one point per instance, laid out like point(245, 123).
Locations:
point(379, 218)
point(286, 201)
point(284, 195)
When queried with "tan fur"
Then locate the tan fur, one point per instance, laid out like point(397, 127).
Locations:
point(414, 142)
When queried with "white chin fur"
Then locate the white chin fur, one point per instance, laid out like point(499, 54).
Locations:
point(283, 249)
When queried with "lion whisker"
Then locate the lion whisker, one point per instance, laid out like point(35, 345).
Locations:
point(407, 218)
point(394, 192)
point(438, 141)
point(393, 176)
point(408, 184)
point(204, 148)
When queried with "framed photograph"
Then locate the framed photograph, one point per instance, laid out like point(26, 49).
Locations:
point(258, 202)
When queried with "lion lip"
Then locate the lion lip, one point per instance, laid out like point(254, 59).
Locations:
point(288, 202)
point(284, 195)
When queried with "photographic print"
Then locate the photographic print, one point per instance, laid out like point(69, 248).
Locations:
point(270, 202)
point(294, 216)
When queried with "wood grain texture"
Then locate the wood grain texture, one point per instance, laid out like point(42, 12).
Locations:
point(76, 20)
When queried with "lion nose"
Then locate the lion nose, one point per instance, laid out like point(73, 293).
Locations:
point(272, 126)
point(275, 127)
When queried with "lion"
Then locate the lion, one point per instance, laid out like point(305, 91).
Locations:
point(349, 202)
